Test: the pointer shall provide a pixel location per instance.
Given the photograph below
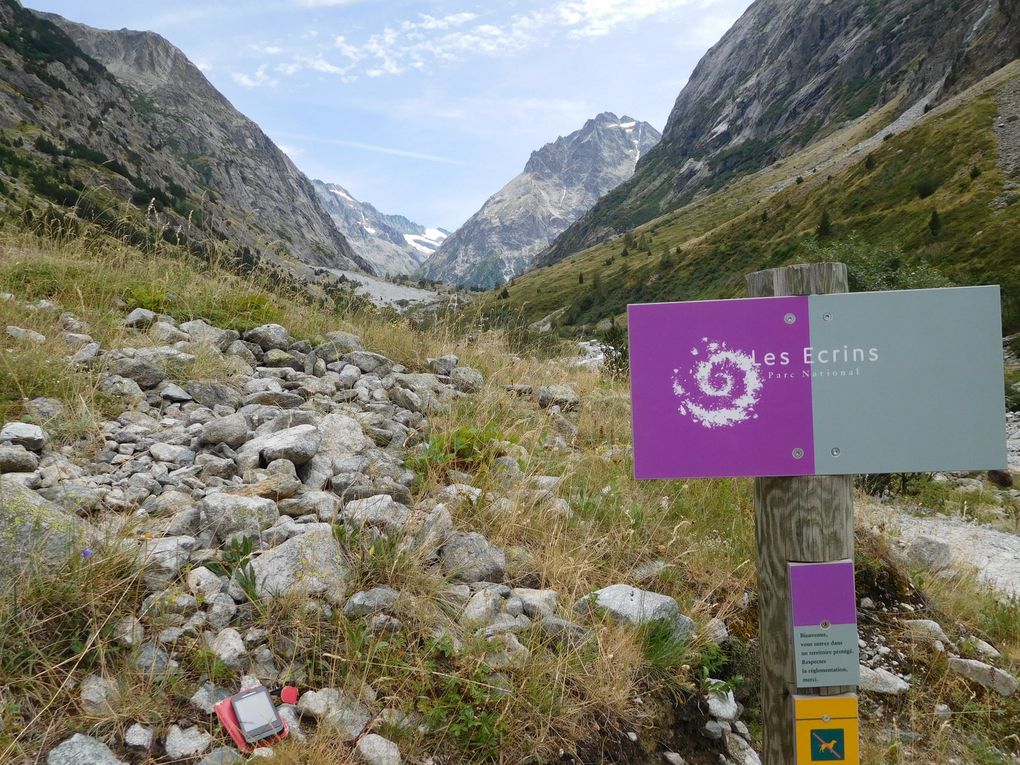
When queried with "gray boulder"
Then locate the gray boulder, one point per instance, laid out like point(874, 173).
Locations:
point(370, 362)
point(140, 318)
point(24, 434)
point(269, 337)
point(990, 677)
point(227, 514)
point(933, 554)
point(340, 438)
point(213, 394)
point(82, 750)
point(231, 430)
point(331, 708)
point(32, 529)
point(309, 564)
point(99, 696)
point(373, 749)
point(563, 396)
point(298, 445)
point(370, 602)
point(882, 681)
point(626, 603)
point(203, 333)
point(146, 374)
point(470, 557)
point(181, 743)
point(467, 379)
point(379, 512)
point(17, 459)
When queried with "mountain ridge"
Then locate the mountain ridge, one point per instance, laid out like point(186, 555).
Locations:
point(788, 73)
point(394, 244)
point(559, 182)
point(95, 119)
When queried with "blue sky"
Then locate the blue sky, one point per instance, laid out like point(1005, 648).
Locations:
point(427, 107)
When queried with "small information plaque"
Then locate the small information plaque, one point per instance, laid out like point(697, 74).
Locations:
point(824, 607)
point(826, 729)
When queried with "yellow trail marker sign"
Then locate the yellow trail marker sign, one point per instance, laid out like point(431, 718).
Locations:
point(826, 729)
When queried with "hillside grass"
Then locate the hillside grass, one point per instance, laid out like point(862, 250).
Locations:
point(886, 196)
point(56, 626)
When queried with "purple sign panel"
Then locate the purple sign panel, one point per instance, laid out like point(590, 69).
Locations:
point(818, 385)
point(824, 613)
point(701, 383)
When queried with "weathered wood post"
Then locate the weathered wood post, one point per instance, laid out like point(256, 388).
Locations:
point(798, 519)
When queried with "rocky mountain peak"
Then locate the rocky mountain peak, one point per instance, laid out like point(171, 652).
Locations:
point(560, 182)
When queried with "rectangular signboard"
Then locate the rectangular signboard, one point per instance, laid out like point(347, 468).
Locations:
point(826, 729)
point(824, 621)
point(872, 382)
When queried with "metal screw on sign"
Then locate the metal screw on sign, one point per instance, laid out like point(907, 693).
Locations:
point(835, 451)
point(798, 453)
point(827, 317)
point(790, 318)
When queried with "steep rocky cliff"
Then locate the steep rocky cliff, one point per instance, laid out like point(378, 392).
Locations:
point(791, 71)
point(125, 114)
point(559, 183)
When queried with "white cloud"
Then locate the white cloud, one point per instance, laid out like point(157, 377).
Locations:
point(269, 50)
point(291, 151)
point(259, 78)
point(415, 44)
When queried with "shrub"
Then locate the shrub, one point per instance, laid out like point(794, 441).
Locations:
point(825, 224)
point(616, 352)
point(934, 223)
point(926, 187)
point(975, 173)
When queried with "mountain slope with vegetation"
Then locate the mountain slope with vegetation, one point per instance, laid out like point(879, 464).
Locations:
point(941, 197)
point(92, 119)
point(789, 73)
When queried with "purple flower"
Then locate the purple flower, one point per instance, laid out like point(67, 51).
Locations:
point(86, 553)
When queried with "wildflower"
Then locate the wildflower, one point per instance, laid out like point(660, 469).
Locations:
point(86, 553)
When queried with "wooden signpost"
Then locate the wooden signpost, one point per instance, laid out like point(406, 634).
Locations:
point(801, 389)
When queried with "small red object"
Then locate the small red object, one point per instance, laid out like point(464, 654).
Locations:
point(225, 712)
point(289, 694)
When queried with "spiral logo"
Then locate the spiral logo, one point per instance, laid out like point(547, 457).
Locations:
point(722, 387)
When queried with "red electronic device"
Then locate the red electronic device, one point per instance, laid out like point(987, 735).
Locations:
point(258, 699)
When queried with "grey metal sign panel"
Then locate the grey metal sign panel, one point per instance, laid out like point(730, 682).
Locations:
point(907, 381)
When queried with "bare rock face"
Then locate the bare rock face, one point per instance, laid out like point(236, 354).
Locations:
point(789, 71)
point(560, 182)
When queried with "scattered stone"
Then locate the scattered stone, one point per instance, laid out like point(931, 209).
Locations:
point(443, 366)
point(140, 318)
point(223, 755)
point(207, 697)
point(537, 604)
point(129, 632)
point(370, 602)
point(986, 675)
point(380, 512)
point(142, 372)
point(927, 630)
point(174, 393)
point(883, 681)
point(298, 445)
point(227, 514)
point(470, 557)
point(33, 530)
point(331, 708)
point(373, 749)
point(229, 647)
point(269, 337)
point(740, 750)
point(153, 660)
point(979, 646)
point(309, 564)
point(17, 459)
point(931, 553)
point(563, 396)
point(467, 379)
point(24, 434)
point(139, 737)
point(231, 430)
point(23, 335)
point(639, 607)
point(186, 742)
point(82, 750)
point(99, 696)
point(213, 394)
point(722, 706)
